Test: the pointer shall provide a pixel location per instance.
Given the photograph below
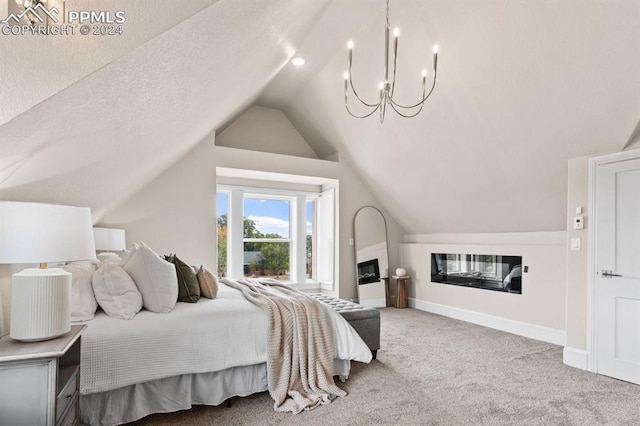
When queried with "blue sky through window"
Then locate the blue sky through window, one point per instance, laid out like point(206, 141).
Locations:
point(270, 216)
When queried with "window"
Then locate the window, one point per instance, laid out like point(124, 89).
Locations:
point(266, 236)
point(310, 226)
point(281, 234)
point(222, 207)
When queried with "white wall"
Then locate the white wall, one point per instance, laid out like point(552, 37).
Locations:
point(176, 212)
point(578, 196)
point(255, 130)
point(5, 297)
point(538, 312)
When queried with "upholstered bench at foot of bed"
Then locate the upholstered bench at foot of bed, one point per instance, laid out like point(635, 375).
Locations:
point(365, 321)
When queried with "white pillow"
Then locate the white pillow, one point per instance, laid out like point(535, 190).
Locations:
point(83, 301)
point(116, 292)
point(155, 278)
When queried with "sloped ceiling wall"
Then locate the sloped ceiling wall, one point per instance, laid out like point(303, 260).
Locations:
point(266, 130)
point(523, 86)
point(102, 138)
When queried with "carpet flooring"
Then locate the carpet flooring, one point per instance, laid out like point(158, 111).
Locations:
point(433, 370)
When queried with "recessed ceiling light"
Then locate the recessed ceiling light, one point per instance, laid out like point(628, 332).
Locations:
point(298, 61)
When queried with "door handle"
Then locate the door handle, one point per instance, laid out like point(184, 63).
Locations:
point(609, 274)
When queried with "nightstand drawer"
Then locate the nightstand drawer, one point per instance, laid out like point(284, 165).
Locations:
point(68, 378)
point(71, 417)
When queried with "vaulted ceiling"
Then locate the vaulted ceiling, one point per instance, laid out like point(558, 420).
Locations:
point(523, 86)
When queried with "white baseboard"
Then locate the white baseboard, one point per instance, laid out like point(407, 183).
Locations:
point(373, 303)
point(577, 358)
point(532, 331)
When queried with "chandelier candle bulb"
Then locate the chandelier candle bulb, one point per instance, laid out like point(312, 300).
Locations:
point(396, 33)
point(435, 57)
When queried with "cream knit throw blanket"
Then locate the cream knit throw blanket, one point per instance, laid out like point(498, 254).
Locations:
point(300, 345)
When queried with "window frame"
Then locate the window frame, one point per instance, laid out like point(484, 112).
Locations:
point(297, 229)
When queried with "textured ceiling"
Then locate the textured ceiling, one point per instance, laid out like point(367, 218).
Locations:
point(103, 137)
point(34, 68)
point(523, 86)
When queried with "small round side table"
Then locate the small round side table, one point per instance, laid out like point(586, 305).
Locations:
point(401, 291)
point(387, 294)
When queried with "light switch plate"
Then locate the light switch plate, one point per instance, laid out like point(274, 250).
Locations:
point(578, 210)
point(575, 244)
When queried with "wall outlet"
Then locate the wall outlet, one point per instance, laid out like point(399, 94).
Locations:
point(578, 222)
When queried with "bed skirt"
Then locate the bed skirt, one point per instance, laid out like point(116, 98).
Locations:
point(134, 402)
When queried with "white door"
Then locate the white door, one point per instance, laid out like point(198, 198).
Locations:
point(617, 264)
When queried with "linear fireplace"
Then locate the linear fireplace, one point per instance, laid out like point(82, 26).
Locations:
point(368, 272)
point(489, 272)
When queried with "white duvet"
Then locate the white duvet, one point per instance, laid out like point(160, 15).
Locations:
point(208, 336)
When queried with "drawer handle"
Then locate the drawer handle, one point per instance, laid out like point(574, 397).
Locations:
point(69, 396)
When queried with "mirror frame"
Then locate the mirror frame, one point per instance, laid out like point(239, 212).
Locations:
point(355, 251)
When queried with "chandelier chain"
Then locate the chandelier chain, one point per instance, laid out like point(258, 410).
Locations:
point(388, 24)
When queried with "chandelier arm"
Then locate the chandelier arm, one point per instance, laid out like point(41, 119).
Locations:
point(419, 103)
point(407, 115)
point(356, 93)
point(361, 116)
point(393, 81)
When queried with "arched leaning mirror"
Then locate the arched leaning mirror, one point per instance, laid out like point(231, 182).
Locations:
point(372, 258)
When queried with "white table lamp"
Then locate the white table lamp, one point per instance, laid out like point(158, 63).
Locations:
point(42, 233)
point(109, 240)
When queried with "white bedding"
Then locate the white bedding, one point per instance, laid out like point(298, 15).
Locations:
point(208, 336)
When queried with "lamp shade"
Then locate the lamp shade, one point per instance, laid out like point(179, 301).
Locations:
point(109, 239)
point(44, 233)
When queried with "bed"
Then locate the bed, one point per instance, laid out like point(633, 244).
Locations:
point(200, 353)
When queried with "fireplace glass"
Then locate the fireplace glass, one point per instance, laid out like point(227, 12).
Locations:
point(368, 272)
point(489, 272)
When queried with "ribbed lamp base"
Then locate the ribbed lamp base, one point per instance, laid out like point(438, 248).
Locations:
point(40, 304)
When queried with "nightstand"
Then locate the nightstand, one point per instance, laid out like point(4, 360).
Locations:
point(40, 381)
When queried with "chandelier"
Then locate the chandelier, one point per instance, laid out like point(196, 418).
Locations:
point(386, 87)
